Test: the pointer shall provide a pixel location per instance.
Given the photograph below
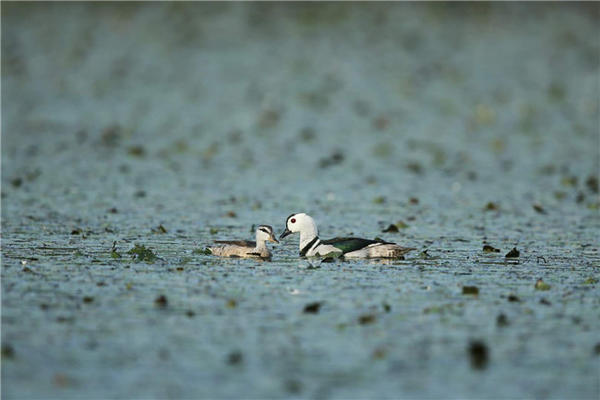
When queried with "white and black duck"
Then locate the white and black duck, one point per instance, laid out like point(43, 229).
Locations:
point(311, 245)
point(246, 248)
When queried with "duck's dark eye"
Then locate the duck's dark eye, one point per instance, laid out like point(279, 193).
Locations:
point(293, 220)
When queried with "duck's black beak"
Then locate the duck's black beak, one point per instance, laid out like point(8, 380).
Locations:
point(285, 233)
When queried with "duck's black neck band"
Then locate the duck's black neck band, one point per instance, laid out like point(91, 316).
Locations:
point(306, 248)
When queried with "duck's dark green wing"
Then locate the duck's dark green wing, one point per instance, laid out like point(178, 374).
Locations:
point(348, 244)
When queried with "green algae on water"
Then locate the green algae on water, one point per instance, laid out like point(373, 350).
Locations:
point(140, 253)
point(470, 290)
point(541, 285)
point(206, 251)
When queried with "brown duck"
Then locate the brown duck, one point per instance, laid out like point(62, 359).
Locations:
point(246, 248)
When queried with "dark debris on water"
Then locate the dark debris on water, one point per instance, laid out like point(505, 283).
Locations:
point(478, 354)
point(470, 290)
point(513, 298)
point(393, 228)
point(502, 320)
point(514, 253)
point(491, 206)
point(541, 285)
point(337, 157)
point(545, 302)
point(489, 249)
point(159, 229)
point(592, 183)
point(8, 352)
point(235, 357)
point(113, 251)
point(206, 251)
point(590, 281)
point(161, 301)
point(312, 308)
point(366, 319)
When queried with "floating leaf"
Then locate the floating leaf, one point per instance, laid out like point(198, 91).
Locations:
point(592, 183)
point(513, 298)
point(366, 319)
point(470, 290)
point(379, 200)
point(379, 354)
point(312, 308)
point(161, 301)
point(569, 181)
point(541, 285)
point(8, 351)
point(159, 229)
point(501, 320)
point(478, 354)
point(141, 253)
point(514, 253)
point(391, 228)
point(16, 182)
point(206, 251)
point(491, 206)
point(489, 249)
point(545, 302)
point(231, 303)
point(235, 357)
point(136, 151)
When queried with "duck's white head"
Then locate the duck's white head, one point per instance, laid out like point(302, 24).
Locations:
point(264, 233)
point(302, 223)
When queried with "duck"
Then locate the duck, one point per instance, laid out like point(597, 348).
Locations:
point(246, 248)
point(348, 247)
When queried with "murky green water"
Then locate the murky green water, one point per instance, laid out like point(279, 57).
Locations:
point(470, 124)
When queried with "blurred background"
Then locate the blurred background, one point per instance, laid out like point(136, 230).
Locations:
point(242, 98)
point(459, 122)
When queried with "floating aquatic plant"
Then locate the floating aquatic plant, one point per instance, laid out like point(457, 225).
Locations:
point(514, 253)
point(312, 308)
point(472, 290)
point(489, 249)
point(141, 253)
point(478, 354)
point(206, 251)
point(541, 285)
